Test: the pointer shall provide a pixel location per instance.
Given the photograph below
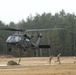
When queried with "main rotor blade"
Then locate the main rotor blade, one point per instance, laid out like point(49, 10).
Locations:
point(33, 30)
point(12, 29)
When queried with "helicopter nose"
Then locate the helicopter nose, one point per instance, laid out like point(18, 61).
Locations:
point(7, 40)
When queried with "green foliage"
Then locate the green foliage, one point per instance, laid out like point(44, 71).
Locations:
point(61, 41)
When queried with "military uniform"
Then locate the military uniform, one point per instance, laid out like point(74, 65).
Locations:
point(50, 59)
point(58, 58)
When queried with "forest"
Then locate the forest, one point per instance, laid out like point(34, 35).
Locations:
point(61, 41)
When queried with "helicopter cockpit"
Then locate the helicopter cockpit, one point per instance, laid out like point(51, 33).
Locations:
point(13, 38)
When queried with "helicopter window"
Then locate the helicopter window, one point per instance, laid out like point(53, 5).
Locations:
point(14, 38)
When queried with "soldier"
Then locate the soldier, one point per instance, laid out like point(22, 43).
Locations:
point(50, 59)
point(74, 61)
point(58, 58)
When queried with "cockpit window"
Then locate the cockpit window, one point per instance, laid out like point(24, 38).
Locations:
point(14, 38)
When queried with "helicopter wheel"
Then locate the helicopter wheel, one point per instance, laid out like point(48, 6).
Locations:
point(35, 52)
point(8, 50)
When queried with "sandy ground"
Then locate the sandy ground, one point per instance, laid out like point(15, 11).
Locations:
point(38, 60)
point(38, 66)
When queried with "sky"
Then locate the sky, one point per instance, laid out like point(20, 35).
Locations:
point(16, 10)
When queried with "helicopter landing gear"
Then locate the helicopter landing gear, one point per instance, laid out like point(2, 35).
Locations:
point(8, 50)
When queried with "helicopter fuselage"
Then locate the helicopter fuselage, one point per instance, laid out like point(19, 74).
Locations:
point(18, 40)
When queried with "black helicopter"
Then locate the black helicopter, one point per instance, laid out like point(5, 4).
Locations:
point(22, 40)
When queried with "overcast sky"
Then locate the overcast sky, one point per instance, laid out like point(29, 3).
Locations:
point(16, 10)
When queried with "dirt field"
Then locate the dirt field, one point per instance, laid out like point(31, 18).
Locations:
point(38, 66)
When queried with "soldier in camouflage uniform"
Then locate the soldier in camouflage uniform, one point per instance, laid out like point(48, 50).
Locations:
point(58, 58)
point(50, 59)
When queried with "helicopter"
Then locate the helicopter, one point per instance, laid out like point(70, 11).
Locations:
point(21, 40)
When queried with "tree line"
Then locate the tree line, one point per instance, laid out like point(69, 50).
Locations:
point(61, 41)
